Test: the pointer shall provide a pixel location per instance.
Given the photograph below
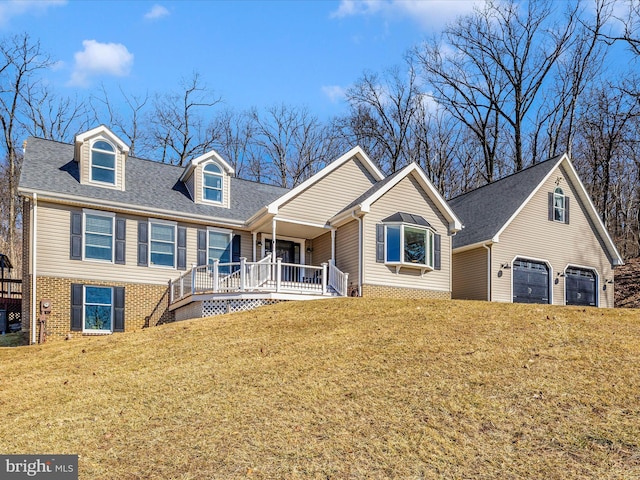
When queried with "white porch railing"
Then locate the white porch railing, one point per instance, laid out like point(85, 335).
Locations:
point(263, 276)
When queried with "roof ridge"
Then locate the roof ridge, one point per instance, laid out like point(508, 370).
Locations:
point(506, 177)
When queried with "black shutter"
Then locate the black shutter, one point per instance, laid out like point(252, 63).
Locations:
point(566, 210)
point(77, 303)
point(121, 235)
point(380, 243)
point(235, 248)
point(437, 252)
point(118, 309)
point(143, 244)
point(76, 236)
point(182, 248)
point(202, 247)
point(551, 206)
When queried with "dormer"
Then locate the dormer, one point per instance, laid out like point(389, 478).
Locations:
point(208, 179)
point(101, 158)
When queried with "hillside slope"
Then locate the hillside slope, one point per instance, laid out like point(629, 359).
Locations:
point(348, 388)
point(628, 284)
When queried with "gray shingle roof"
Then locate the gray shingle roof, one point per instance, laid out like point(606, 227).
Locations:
point(49, 166)
point(407, 218)
point(485, 210)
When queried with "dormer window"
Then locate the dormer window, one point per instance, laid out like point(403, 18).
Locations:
point(212, 183)
point(103, 162)
point(559, 205)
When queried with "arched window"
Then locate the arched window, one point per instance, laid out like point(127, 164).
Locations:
point(212, 183)
point(559, 207)
point(103, 162)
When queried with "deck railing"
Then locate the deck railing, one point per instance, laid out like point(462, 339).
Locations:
point(11, 288)
point(265, 275)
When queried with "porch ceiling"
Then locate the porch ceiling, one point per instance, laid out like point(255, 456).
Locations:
point(288, 228)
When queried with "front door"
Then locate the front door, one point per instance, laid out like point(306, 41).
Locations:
point(289, 252)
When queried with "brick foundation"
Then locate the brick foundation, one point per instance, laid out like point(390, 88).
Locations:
point(383, 291)
point(145, 305)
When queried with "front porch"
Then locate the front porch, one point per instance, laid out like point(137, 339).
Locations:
point(250, 284)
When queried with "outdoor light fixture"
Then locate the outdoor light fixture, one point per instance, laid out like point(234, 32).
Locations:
point(506, 266)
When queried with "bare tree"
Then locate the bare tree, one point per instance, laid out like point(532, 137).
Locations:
point(236, 133)
point(48, 115)
point(496, 63)
point(20, 60)
point(291, 144)
point(178, 125)
point(607, 127)
point(128, 127)
point(382, 109)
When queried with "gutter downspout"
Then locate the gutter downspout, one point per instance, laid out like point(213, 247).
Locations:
point(488, 247)
point(34, 231)
point(360, 253)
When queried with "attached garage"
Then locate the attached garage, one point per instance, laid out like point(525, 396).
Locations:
point(530, 281)
point(580, 286)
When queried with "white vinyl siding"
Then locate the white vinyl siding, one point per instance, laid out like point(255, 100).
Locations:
point(532, 235)
point(324, 199)
point(470, 274)
point(53, 251)
point(406, 196)
point(347, 251)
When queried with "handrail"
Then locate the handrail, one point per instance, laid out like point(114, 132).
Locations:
point(264, 275)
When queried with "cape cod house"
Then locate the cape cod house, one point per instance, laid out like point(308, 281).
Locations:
point(534, 237)
point(116, 243)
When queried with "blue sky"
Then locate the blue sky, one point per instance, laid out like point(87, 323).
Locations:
point(251, 53)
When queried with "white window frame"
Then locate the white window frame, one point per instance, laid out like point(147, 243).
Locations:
point(175, 242)
point(84, 310)
point(115, 161)
point(97, 213)
point(429, 253)
point(223, 231)
point(204, 187)
point(559, 211)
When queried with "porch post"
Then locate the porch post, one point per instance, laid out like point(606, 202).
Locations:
point(243, 273)
point(273, 238)
point(215, 274)
point(171, 290)
point(324, 278)
point(254, 236)
point(193, 280)
point(333, 243)
point(278, 273)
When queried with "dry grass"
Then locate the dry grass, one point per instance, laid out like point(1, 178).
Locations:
point(350, 388)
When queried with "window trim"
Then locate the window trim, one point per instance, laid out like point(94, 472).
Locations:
point(429, 249)
point(558, 193)
point(175, 242)
point(92, 148)
point(224, 231)
point(84, 311)
point(98, 213)
point(204, 187)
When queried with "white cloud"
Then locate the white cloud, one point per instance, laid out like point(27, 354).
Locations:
point(100, 59)
point(429, 14)
point(13, 8)
point(335, 93)
point(157, 11)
